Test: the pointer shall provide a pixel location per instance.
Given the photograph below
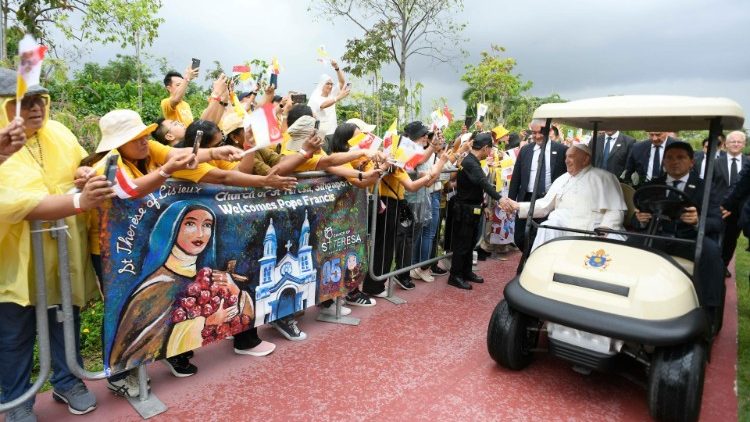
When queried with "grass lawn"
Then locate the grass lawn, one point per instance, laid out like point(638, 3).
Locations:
point(743, 310)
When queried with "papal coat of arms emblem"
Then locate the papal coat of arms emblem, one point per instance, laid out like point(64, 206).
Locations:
point(599, 260)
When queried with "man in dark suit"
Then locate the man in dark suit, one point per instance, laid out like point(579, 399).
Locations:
point(524, 174)
point(612, 150)
point(726, 171)
point(646, 157)
point(678, 161)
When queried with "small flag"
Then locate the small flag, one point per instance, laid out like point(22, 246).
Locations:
point(447, 113)
point(265, 127)
point(365, 141)
point(236, 106)
point(31, 55)
point(123, 186)
point(481, 111)
point(408, 153)
point(323, 56)
point(439, 120)
point(275, 66)
point(390, 134)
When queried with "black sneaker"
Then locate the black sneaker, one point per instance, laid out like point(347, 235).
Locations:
point(357, 298)
point(180, 366)
point(405, 284)
point(437, 270)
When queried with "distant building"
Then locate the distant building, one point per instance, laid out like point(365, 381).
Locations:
point(289, 285)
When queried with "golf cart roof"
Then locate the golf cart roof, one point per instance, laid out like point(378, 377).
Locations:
point(658, 113)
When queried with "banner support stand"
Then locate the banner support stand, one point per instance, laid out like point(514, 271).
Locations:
point(338, 318)
point(146, 404)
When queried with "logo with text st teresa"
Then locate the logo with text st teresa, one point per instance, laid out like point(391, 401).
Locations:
point(599, 260)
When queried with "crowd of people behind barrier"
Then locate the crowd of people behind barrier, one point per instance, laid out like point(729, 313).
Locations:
point(46, 175)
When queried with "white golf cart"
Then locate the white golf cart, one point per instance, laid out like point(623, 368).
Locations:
point(604, 302)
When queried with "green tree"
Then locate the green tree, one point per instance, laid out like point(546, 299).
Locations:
point(420, 28)
point(366, 107)
point(129, 22)
point(492, 82)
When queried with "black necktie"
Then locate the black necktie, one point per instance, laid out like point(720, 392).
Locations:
point(656, 165)
point(676, 185)
point(733, 172)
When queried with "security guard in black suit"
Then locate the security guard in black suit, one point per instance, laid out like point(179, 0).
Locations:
point(471, 184)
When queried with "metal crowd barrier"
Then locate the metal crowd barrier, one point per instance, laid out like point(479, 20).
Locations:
point(42, 324)
point(147, 404)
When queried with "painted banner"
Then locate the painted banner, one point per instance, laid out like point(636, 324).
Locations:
point(194, 263)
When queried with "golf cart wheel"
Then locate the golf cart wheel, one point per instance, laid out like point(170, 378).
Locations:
point(675, 385)
point(509, 341)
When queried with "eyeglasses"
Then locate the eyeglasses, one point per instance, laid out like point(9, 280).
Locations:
point(329, 83)
point(29, 102)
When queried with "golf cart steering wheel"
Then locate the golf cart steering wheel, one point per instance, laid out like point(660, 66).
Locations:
point(662, 200)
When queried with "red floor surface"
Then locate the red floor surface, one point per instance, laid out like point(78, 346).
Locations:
point(425, 360)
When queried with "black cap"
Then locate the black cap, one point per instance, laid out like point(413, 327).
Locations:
point(416, 130)
point(482, 140)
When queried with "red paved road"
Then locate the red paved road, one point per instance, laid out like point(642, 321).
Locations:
point(425, 360)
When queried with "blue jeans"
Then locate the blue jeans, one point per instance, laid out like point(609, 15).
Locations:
point(428, 231)
point(17, 335)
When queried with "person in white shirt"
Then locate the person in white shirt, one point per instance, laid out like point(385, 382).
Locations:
point(323, 100)
point(584, 198)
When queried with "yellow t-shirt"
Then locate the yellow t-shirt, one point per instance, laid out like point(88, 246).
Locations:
point(181, 113)
point(25, 183)
point(157, 156)
point(394, 182)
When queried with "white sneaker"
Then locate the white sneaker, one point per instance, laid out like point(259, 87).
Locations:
point(425, 275)
point(331, 310)
point(415, 274)
point(384, 293)
point(126, 387)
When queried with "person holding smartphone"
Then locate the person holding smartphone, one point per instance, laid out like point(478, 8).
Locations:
point(175, 107)
point(323, 100)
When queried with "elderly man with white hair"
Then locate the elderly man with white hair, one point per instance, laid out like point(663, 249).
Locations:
point(584, 198)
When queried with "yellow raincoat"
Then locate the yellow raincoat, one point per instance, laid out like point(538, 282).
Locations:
point(23, 185)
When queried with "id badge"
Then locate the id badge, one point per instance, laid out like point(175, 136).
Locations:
point(477, 211)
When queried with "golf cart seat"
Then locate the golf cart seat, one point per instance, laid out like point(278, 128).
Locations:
point(627, 194)
point(686, 264)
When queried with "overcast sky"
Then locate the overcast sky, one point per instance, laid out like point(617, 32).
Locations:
point(577, 49)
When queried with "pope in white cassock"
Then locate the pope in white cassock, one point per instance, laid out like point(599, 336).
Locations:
point(584, 198)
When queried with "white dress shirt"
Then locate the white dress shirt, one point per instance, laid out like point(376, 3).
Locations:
point(535, 163)
point(683, 181)
point(611, 139)
point(649, 176)
point(729, 165)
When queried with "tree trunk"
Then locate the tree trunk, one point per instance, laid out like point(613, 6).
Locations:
point(3, 30)
point(138, 69)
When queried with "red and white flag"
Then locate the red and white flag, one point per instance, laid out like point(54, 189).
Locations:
point(124, 186)
point(390, 137)
point(408, 153)
point(365, 141)
point(447, 113)
point(266, 129)
point(31, 56)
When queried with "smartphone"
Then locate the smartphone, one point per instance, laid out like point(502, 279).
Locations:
point(110, 168)
point(196, 63)
point(348, 85)
point(197, 142)
point(299, 98)
point(274, 80)
point(317, 124)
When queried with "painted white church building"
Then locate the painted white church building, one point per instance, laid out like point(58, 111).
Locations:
point(289, 285)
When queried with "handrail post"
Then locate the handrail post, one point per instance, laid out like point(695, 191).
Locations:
point(66, 315)
point(42, 323)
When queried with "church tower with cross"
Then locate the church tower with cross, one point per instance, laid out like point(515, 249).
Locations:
point(289, 285)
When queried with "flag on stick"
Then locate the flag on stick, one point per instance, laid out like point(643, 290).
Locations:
point(323, 56)
point(408, 153)
point(265, 127)
point(390, 136)
point(365, 141)
point(31, 55)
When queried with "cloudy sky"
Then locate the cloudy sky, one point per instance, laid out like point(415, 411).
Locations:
point(577, 49)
